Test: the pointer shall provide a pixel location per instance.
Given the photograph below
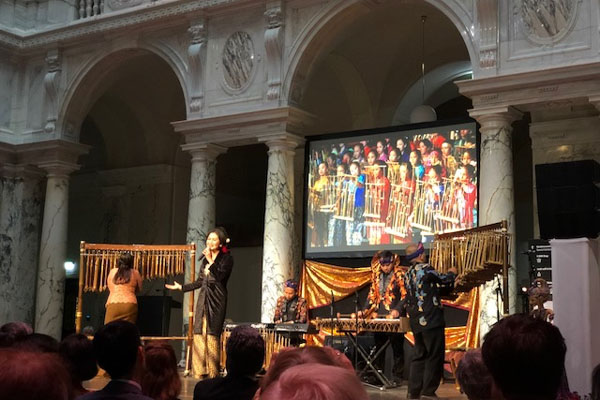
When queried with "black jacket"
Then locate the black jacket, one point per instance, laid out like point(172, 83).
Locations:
point(227, 388)
point(212, 296)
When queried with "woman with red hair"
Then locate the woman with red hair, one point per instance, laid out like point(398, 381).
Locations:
point(161, 380)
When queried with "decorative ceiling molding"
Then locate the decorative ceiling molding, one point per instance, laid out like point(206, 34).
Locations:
point(535, 89)
point(120, 20)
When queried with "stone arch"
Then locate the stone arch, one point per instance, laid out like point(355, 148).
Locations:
point(437, 80)
point(84, 88)
point(307, 46)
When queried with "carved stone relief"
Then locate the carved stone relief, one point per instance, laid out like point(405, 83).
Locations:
point(197, 61)
point(238, 61)
point(546, 21)
point(51, 85)
point(273, 47)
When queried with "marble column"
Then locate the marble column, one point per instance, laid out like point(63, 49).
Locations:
point(53, 249)
point(496, 196)
point(201, 209)
point(278, 244)
point(20, 210)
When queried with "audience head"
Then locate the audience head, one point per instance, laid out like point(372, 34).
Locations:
point(38, 343)
point(287, 358)
point(160, 380)
point(245, 351)
point(315, 381)
point(118, 348)
point(473, 376)
point(77, 352)
point(13, 331)
point(525, 357)
point(26, 375)
point(596, 383)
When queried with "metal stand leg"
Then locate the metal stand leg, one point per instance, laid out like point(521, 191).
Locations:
point(385, 382)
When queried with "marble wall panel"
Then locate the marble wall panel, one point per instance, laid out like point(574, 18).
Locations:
point(20, 212)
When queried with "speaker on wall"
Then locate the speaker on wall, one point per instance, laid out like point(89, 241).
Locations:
point(568, 199)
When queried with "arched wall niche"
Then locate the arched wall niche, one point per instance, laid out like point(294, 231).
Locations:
point(101, 71)
point(355, 63)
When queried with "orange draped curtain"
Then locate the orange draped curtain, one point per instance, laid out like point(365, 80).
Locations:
point(319, 280)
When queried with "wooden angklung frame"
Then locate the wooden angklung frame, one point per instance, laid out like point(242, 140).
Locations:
point(478, 254)
point(152, 261)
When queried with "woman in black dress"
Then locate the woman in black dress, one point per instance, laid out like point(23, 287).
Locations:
point(216, 266)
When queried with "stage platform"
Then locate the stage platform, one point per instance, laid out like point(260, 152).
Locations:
point(446, 391)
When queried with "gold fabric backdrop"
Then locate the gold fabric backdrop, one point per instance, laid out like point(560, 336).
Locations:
point(318, 280)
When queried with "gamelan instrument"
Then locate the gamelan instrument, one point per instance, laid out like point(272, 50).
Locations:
point(271, 334)
point(478, 254)
point(345, 196)
point(386, 325)
point(400, 209)
point(351, 327)
point(151, 261)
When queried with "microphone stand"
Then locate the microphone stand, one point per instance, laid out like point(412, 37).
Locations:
point(356, 304)
point(331, 312)
point(498, 296)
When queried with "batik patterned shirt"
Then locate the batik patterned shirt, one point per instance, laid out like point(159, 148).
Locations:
point(424, 286)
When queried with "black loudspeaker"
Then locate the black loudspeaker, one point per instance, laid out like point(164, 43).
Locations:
point(568, 199)
point(154, 313)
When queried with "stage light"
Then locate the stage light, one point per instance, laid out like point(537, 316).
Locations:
point(69, 266)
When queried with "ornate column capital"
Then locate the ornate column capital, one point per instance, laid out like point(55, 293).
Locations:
point(204, 151)
point(281, 141)
point(495, 117)
point(58, 169)
point(56, 157)
point(21, 171)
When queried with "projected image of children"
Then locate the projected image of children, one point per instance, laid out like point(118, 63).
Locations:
point(371, 191)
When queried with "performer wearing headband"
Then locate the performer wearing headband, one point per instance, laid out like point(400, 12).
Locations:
point(209, 315)
point(290, 307)
point(424, 306)
point(385, 301)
